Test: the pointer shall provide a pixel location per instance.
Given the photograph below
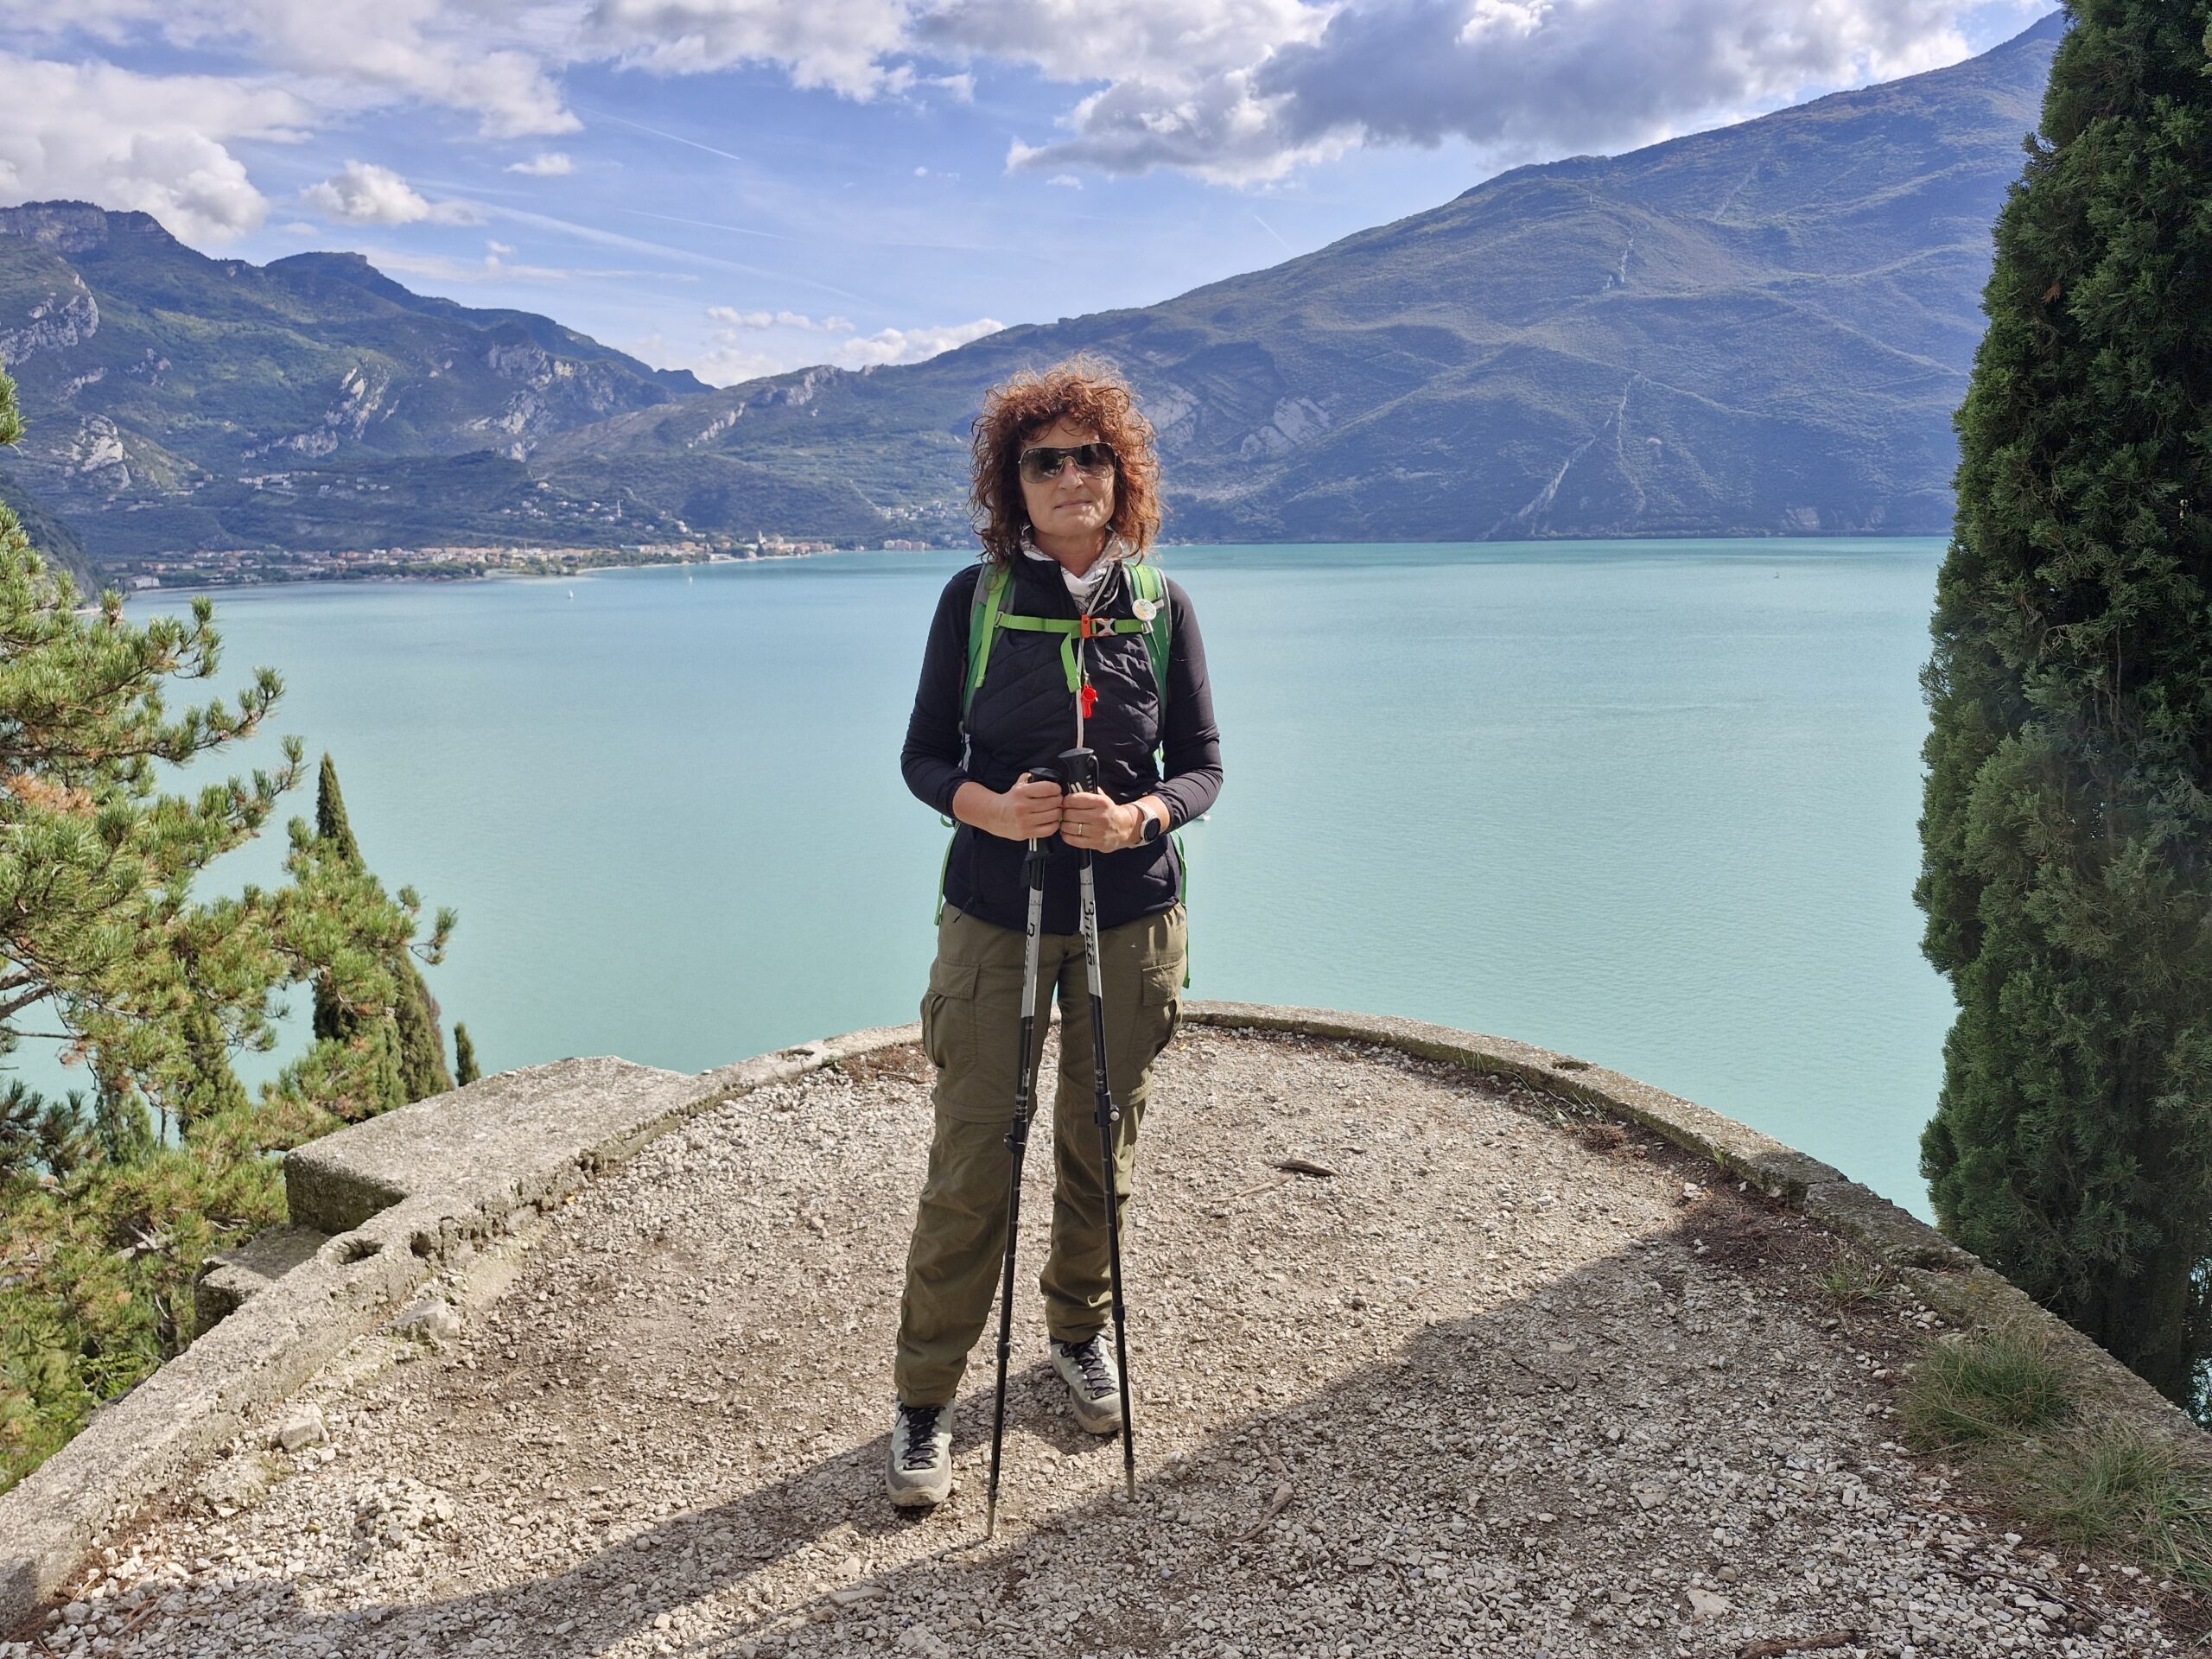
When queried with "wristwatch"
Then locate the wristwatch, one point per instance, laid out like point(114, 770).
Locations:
point(1151, 831)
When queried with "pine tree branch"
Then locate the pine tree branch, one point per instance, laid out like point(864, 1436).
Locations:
point(15, 1003)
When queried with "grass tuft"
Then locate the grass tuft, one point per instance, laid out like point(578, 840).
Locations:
point(1853, 1279)
point(2111, 1488)
point(1986, 1386)
point(2004, 1404)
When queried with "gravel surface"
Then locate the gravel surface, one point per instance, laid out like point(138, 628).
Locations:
point(1500, 1382)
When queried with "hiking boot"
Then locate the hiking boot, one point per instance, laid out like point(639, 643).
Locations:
point(920, 1471)
point(1094, 1386)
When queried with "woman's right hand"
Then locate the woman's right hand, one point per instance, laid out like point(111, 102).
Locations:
point(1028, 811)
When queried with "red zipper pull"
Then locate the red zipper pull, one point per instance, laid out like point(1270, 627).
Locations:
point(1090, 700)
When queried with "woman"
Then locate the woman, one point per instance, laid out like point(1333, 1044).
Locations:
point(1065, 490)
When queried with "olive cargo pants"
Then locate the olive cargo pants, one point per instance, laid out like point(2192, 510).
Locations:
point(971, 1029)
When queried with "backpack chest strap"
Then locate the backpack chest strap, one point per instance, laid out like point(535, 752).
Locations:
point(1070, 629)
point(988, 614)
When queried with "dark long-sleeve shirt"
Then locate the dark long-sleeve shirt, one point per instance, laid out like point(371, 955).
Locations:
point(1023, 717)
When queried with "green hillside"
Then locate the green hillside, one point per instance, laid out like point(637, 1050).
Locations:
point(164, 390)
point(61, 547)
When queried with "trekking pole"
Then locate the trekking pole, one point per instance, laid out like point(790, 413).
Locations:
point(1082, 768)
point(1017, 1143)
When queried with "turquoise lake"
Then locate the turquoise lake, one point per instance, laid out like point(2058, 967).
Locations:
point(1649, 803)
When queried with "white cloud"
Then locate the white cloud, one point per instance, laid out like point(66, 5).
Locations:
point(726, 362)
point(492, 268)
point(743, 345)
point(1220, 130)
point(1237, 91)
point(492, 61)
point(155, 143)
point(1066, 180)
point(1159, 40)
point(364, 193)
point(110, 20)
point(510, 92)
point(843, 45)
point(1523, 78)
point(911, 345)
point(1531, 78)
point(496, 266)
point(730, 317)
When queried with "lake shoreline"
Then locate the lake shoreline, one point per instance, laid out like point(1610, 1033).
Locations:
point(1779, 546)
point(438, 579)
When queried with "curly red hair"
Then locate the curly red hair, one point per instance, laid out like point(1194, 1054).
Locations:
point(1082, 392)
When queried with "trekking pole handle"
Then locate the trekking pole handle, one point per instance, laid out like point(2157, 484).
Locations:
point(1080, 767)
point(1033, 866)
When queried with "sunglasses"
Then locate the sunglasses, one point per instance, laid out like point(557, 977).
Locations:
point(1042, 462)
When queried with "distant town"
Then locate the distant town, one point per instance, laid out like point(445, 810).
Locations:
point(235, 567)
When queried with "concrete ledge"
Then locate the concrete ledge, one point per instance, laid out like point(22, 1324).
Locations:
point(502, 1141)
point(398, 1197)
point(1947, 1279)
point(230, 1276)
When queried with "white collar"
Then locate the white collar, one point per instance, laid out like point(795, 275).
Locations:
point(1084, 588)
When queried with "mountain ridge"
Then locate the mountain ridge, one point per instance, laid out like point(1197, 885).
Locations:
point(1439, 378)
point(1756, 329)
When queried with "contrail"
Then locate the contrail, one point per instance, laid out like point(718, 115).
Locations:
point(1271, 230)
point(615, 239)
point(710, 224)
point(672, 138)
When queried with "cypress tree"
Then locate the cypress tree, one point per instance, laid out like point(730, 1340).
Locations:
point(212, 1087)
point(422, 1046)
point(464, 1056)
point(330, 821)
point(416, 1068)
point(2068, 816)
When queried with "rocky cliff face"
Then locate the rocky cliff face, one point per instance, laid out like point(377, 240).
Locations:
point(54, 322)
point(67, 228)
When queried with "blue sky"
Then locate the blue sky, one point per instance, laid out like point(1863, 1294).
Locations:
point(740, 187)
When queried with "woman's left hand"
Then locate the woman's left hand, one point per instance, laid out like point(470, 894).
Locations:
point(1089, 821)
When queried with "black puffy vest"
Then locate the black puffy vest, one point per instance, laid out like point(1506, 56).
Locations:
point(1022, 717)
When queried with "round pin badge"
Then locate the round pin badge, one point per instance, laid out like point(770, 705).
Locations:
point(1146, 609)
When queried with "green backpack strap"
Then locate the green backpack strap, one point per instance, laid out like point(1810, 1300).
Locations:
point(1147, 584)
point(983, 624)
point(1071, 628)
